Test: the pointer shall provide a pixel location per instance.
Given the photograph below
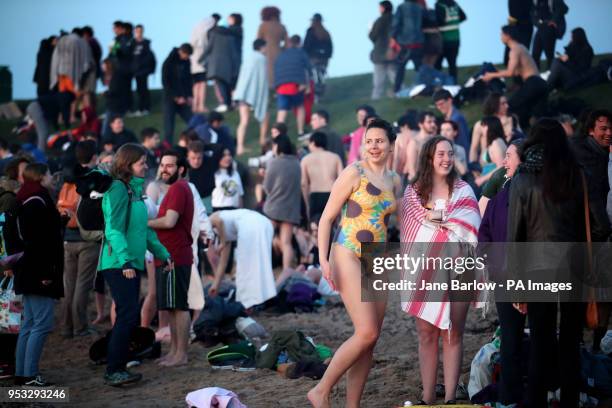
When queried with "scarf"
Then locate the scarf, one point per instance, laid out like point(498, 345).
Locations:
point(533, 160)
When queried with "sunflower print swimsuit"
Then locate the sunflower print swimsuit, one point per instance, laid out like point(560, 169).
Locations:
point(365, 215)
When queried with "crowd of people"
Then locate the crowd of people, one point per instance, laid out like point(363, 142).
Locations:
point(124, 207)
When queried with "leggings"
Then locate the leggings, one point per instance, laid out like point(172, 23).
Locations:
point(450, 51)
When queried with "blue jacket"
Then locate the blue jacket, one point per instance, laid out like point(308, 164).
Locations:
point(407, 24)
point(463, 137)
point(291, 66)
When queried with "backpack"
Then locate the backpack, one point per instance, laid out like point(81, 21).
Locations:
point(10, 241)
point(91, 186)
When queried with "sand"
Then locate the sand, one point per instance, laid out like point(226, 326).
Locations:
point(394, 377)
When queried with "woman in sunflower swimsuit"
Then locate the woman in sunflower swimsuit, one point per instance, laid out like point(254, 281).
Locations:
point(366, 194)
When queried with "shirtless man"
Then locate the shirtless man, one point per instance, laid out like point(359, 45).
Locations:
point(427, 130)
point(404, 136)
point(534, 90)
point(320, 169)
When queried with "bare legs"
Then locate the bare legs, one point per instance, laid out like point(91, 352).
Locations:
point(263, 129)
point(245, 112)
point(179, 335)
point(300, 118)
point(452, 352)
point(355, 355)
point(100, 299)
point(286, 233)
point(149, 306)
point(199, 97)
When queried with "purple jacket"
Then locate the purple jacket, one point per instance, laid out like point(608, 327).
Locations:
point(494, 223)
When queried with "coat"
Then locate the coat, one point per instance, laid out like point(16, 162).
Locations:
point(594, 161)
point(274, 33)
point(318, 48)
point(558, 10)
point(221, 56)
point(407, 24)
point(176, 77)
point(143, 62)
point(72, 57)
point(252, 86)
point(126, 239)
point(380, 34)
point(282, 184)
point(199, 41)
point(291, 66)
point(40, 227)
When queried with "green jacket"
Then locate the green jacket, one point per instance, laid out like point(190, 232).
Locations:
point(122, 249)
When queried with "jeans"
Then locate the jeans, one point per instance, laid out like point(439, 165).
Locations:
point(450, 51)
point(512, 324)
point(544, 40)
point(560, 75)
point(80, 261)
point(35, 112)
point(383, 71)
point(170, 109)
point(552, 362)
point(225, 91)
point(36, 324)
point(405, 55)
point(144, 96)
point(125, 293)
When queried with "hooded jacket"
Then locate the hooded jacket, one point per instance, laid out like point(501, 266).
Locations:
point(126, 239)
point(176, 76)
point(40, 227)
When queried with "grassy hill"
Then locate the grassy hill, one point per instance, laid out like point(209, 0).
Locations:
point(342, 96)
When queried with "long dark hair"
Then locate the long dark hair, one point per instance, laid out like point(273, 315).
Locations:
point(579, 38)
point(490, 106)
point(495, 129)
point(423, 181)
point(284, 145)
point(560, 169)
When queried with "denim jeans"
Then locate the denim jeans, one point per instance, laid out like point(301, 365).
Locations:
point(36, 324)
point(125, 293)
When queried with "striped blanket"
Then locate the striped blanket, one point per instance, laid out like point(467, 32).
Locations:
point(460, 225)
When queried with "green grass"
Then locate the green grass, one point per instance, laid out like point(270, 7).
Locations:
point(342, 96)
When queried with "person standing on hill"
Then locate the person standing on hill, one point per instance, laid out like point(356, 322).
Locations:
point(408, 35)
point(222, 62)
point(176, 80)
point(384, 65)
point(318, 45)
point(449, 15)
point(549, 18)
point(275, 35)
point(199, 41)
point(144, 65)
point(291, 76)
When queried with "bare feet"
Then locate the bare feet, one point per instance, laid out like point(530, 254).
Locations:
point(177, 360)
point(317, 399)
point(99, 319)
point(165, 358)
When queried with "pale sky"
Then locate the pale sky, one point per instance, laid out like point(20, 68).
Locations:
point(23, 23)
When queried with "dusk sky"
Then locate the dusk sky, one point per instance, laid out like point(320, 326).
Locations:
point(23, 23)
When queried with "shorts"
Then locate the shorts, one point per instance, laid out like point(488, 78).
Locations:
point(288, 102)
point(199, 77)
point(173, 287)
point(316, 204)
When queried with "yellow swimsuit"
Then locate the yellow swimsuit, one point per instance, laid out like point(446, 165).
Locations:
point(365, 215)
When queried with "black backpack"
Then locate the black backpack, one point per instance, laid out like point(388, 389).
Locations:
point(91, 185)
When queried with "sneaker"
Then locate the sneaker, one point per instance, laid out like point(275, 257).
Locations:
point(120, 378)
point(36, 382)
point(144, 112)
point(221, 108)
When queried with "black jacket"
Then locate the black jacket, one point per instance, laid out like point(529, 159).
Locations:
point(380, 34)
point(316, 47)
point(143, 62)
point(119, 139)
point(580, 58)
point(594, 161)
point(176, 76)
point(43, 66)
point(40, 227)
point(557, 9)
point(520, 10)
